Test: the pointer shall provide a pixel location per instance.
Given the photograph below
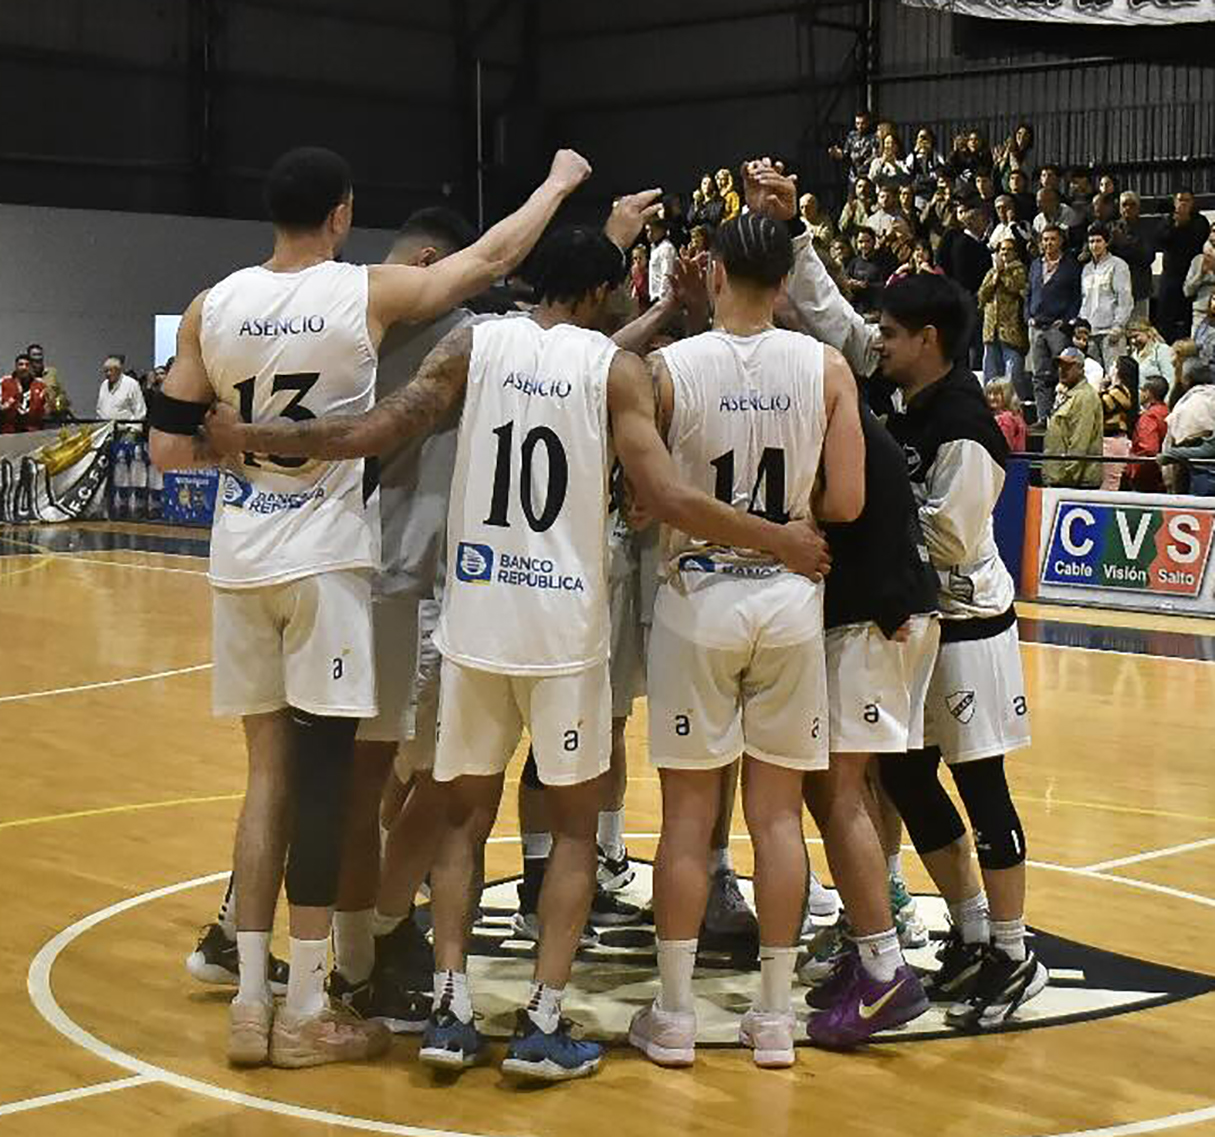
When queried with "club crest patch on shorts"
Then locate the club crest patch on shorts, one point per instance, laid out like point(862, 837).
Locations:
point(961, 705)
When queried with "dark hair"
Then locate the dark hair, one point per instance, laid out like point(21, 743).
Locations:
point(1127, 369)
point(925, 299)
point(571, 262)
point(20, 356)
point(1200, 376)
point(754, 248)
point(36, 347)
point(440, 224)
point(1052, 229)
point(1097, 229)
point(1050, 166)
point(1158, 385)
point(304, 186)
point(1081, 322)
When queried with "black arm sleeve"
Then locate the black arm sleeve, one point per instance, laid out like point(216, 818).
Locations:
point(175, 416)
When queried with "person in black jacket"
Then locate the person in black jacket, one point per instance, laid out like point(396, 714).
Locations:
point(882, 632)
point(976, 710)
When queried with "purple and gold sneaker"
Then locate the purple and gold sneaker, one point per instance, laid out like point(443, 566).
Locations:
point(866, 1007)
point(826, 994)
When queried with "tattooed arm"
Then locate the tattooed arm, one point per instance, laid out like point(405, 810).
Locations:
point(409, 413)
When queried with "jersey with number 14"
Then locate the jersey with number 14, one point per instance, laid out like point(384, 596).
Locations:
point(526, 576)
point(747, 426)
point(293, 345)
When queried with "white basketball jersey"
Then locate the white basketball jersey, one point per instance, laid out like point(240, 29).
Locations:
point(526, 577)
point(747, 427)
point(292, 345)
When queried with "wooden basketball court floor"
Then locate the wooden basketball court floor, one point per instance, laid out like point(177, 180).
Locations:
point(120, 795)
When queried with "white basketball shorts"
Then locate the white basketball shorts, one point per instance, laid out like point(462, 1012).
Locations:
point(976, 704)
point(481, 714)
point(738, 665)
point(307, 643)
point(877, 687)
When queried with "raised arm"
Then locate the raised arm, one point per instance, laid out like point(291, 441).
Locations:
point(414, 295)
point(658, 489)
point(173, 442)
point(843, 461)
point(414, 410)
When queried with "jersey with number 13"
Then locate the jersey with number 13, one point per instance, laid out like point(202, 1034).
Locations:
point(526, 579)
point(292, 345)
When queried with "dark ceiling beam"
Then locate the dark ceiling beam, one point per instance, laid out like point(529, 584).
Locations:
point(330, 12)
point(677, 23)
point(729, 94)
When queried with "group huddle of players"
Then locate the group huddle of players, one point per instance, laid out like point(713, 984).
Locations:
point(438, 532)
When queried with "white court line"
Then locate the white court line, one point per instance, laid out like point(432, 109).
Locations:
point(41, 995)
point(83, 558)
point(105, 683)
point(1118, 862)
point(27, 1104)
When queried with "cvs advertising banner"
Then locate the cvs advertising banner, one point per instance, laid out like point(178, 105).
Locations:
point(1108, 12)
point(1126, 550)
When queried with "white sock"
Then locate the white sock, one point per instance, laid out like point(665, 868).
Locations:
point(354, 944)
point(881, 955)
point(382, 925)
point(384, 831)
point(544, 1006)
point(970, 917)
point(1009, 937)
point(776, 979)
point(452, 987)
point(719, 860)
point(253, 951)
point(226, 917)
point(611, 832)
point(676, 962)
point(536, 845)
point(894, 866)
point(306, 985)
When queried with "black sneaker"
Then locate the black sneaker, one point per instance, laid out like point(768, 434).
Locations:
point(215, 960)
point(407, 950)
point(954, 981)
point(356, 996)
point(613, 875)
point(1004, 986)
point(608, 910)
point(402, 980)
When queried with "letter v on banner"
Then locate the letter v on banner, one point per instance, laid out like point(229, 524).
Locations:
point(1131, 546)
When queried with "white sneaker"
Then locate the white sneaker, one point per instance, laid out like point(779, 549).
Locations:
point(667, 1038)
point(822, 901)
point(769, 1034)
point(526, 926)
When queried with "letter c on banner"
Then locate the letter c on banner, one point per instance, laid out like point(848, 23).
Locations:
point(1065, 532)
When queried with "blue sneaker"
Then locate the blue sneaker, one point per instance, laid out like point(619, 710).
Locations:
point(450, 1043)
point(555, 1057)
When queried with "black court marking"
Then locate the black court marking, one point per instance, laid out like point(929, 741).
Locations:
point(64, 540)
point(619, 975)
point(1128, 641)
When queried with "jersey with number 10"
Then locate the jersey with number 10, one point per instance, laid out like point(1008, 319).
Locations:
point(526, 577)
point(747, 426)
point(293, 345)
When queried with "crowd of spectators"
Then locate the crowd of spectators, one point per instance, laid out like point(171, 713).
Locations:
point(1060, 263)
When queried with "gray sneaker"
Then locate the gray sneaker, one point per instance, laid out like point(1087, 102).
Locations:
point(728, 913)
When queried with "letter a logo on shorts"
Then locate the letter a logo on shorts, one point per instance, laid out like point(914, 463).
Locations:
point(474, 563)
point(961, 705)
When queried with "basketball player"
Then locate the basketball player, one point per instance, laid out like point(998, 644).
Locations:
point(976, 710)
point(524, 625)
point(292, 549)
point(736, 661)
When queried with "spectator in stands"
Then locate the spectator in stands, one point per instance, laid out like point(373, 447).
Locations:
point(907, 208)
point(699, 240)
point(1018, 186)
point(883, 218)
point(1107, 183)
point(1007, 408)
point(1185, 359)
point(1119, 397)
point(923, 166)
point(729, 195)
point(859, 147)
point(707, 206)
point(959, 163)
point(1012, 156)
point(120, 398)
point(836, 264)
point(1009, 228)
point(23, 398)
point(1105, 209)
point(967, 261)
point(817, 223)
point(639, 276)
point(1052, 211)
point(1074, 428)
point(1051, 177)
point(1204, 335)
point(985, 188)
point(980, 152)
point(1079, 193)
point(888, 165)
point(937, 216)
point(1106, 298)
point(663, 256)
point(1181, 239)
point(1133, 238)
point(1191, 431)
point(1150, 352)
point(1053, 303)
point(866, 272)
point(855, 214)
point(1199, 285)
point(1082, 334)
point(920, 261)
point(1150, 430)
point(1002, 301)
point(58, 405)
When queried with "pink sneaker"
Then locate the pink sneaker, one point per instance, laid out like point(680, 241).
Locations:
point(769, 1034)
point(335, 1034)
point(249, 1033)
point(667, 1038)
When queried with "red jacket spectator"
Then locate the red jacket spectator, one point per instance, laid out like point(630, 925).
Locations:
point(22, 399)
point(1015, 432)
point(1147, 440)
